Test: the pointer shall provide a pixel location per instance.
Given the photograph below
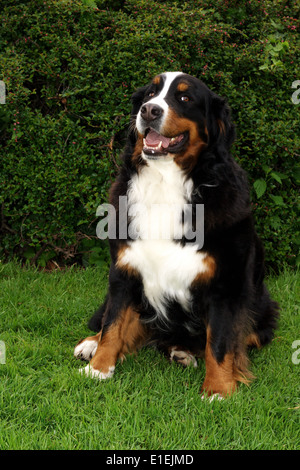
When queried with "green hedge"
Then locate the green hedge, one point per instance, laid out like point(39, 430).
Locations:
point(70, 68)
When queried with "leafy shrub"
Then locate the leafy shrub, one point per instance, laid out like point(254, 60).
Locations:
point(70, 68)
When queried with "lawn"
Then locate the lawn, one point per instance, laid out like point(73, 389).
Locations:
point(148, 404)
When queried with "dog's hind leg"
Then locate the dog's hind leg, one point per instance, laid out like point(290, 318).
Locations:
point(87, 347)
point(182, 356)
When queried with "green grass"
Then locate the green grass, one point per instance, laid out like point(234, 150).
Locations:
point(148, 404)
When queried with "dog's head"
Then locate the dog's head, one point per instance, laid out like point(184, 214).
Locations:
point(177, 117)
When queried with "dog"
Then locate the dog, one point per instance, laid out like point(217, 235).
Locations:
point(190, 296)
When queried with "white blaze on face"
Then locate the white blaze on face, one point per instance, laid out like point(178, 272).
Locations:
point(159, 100)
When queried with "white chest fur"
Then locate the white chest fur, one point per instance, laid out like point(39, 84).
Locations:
point(156, 198)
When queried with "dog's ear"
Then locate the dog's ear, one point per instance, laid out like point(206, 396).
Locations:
point(137, 99)
point(220, 128)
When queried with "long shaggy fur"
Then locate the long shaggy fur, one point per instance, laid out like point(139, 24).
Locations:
point(229, 308)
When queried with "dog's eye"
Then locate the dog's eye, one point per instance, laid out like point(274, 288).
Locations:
point(151, 93)
point(184, 98)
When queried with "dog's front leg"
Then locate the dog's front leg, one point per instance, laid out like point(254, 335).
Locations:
point(125, 335)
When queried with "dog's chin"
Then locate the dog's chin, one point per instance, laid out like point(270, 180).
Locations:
point(157, 157)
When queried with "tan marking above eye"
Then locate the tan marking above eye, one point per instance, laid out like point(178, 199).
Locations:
point(182, 86)
point(156, 80)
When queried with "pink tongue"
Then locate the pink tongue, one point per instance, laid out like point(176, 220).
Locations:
point(153, 139)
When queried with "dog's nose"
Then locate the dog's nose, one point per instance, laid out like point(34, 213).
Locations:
point(149, 112)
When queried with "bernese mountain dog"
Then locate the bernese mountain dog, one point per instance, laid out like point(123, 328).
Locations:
point(189, 291)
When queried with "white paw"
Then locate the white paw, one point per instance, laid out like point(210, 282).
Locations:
point(183, 357)
point(215, 396)
point(86, 349)
point(89, 371)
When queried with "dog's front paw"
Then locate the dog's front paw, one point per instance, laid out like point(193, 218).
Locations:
point(89, 371)
point(211, 398)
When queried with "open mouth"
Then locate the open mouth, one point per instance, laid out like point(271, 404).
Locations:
point(155, 144)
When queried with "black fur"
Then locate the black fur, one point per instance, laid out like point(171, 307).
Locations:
point(236, 302)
